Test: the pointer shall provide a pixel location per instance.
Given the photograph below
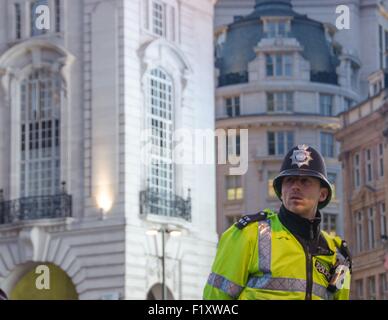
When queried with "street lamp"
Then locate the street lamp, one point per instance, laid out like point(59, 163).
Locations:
point(173, 233)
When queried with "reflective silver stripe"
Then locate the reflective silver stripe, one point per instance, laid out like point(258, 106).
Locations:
point(285, 284)
point(230, 288)
point(320, 291)
point(265, 247)
point(282, 284)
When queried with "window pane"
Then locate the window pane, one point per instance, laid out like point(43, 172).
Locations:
point(271, 26)
point(280, 103)
point(271, 143)
point(290, 140)
point(360, 289)
point(239, 193)
point(326, 105)
point(270, 102)
point(280, 142)
point(18, 21)
point(288, 65)
point(158, 17)
point(269, 65)
point(237, 106)
point(327, 144)
point(279, 65)
point(282, 28)
point(290, 101)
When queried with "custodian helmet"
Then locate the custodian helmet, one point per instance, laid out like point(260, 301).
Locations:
point(303, 160)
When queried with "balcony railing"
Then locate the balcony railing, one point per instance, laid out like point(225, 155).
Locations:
point(37, 207)
point(165, 204)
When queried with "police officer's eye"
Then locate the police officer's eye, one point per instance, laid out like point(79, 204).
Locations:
point(289, 179)
point(306, 181)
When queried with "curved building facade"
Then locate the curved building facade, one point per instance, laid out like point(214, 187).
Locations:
point(282, 76)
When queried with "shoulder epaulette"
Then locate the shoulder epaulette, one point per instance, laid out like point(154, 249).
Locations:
point(245, 220)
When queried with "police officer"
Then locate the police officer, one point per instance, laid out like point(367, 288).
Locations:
point(284, 255)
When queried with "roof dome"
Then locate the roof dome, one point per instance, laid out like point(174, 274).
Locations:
point(274, 3)
point(243, 36)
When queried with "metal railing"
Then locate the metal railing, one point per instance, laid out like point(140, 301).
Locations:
point(36, 207)
point(165, 204)
point(324, 77)
point(232, 78)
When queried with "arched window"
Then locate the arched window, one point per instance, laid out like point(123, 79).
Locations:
point(160, 122)
point(40, 134)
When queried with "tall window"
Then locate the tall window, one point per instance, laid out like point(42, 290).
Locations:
point(279, 65)
point(381, 160)
point(371, 288)
point(280, 101)
point(158, 18)
point(18, 21)
point(160, 119)
point(326, 105)
point(371, 229)
point(383, 220)
point(368, 165)
point(233, 145)
point(356, 171)
point(234, 190)
point(40, 134)
point(327, 144)
point(280, 142)
point(330, 223)
point(332, 177)
point(360, 289)
point(359, 232)
point(57, 5)
point(383, 286)
point(381, 50)
point(232, 106)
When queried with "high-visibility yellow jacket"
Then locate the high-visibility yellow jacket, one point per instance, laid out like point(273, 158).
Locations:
point(262, 260)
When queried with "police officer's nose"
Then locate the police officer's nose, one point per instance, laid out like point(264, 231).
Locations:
point(295, 185)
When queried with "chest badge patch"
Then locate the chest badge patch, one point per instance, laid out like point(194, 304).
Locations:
point(322, 269)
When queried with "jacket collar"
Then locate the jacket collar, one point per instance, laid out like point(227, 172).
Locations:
point(302, 227)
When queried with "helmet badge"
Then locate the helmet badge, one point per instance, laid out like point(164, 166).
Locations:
point(301, 156)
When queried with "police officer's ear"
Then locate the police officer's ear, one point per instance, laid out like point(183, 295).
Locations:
point(324, 192)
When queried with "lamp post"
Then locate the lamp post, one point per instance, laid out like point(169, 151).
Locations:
point(164, 230)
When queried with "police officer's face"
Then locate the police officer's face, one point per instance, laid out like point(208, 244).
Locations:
point(302, 194)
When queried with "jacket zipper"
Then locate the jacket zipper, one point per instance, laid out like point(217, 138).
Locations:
point(309, 267)
point(309, 273)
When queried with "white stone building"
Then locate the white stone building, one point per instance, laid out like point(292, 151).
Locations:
point(77, 194)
